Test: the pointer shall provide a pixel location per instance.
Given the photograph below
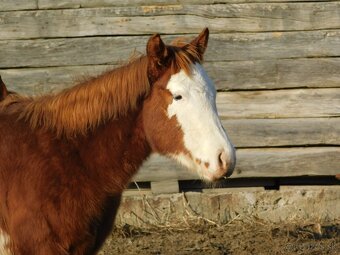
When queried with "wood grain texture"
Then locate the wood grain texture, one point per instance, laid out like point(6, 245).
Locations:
point(297, 103)
point(166, 186)
point(37, 81)
point(169, 19)
point(271, 162)
point(283, 132)
point(233, 75)
point(222, 47)
point(275, 73)
point(11, 5)
point(52, 4)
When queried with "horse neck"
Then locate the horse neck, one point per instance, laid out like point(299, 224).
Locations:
point(115, 151)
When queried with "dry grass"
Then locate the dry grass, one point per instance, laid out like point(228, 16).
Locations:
point(246, 236)
point(195, 234)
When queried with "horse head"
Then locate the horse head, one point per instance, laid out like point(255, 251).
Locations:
point(180, 114)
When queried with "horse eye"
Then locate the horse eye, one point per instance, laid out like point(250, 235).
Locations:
point(178, 97)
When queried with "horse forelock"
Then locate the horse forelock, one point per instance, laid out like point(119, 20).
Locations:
point(184, 56)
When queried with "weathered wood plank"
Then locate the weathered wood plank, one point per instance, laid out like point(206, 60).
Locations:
point(52, 4)
point(65, 52)
point(298, 103)
point(277, 162)
point(169, 19)
point(283, 132)
point(222, 47)
point(233, 75)
point(165, 186)
point(292, 162)
point(37, 81)
point(9, 5)
point(275, 73)
point(260, 46)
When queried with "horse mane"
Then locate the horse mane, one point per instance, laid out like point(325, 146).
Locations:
point(113, 94)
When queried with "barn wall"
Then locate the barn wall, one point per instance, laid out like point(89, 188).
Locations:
point(276, 65)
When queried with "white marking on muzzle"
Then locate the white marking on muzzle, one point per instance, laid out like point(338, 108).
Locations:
point(196, 112)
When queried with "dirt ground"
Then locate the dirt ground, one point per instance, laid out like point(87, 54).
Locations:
point(239, 237)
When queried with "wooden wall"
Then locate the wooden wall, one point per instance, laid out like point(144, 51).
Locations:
point(276, 65)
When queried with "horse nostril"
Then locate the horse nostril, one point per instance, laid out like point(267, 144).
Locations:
point(222, 160)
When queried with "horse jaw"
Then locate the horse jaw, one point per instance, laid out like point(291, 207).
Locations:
point(209, 150)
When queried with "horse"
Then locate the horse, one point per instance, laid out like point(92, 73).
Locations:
point(66, 158)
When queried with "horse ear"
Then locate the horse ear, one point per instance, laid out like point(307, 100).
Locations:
point(156, 49)
point(201, 42)
point(3, 90)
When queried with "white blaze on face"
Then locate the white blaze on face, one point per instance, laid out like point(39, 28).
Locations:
point(4, 243)
point(196, 112)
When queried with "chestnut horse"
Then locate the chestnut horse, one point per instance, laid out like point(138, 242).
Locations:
point(65, 159)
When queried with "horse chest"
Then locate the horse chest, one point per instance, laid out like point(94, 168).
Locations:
point(4, 243)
